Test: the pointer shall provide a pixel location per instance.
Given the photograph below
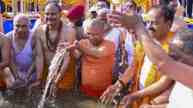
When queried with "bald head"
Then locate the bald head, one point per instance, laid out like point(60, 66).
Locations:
point(97, 24)
point(53, 6)
point(21, 19)
point(95, 31)
point(21, 25)
point(52, 14)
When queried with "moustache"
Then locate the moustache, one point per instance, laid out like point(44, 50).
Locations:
point(152, 29)
point(50, 19)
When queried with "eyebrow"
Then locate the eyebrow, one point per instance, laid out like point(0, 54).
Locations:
point(21, 25)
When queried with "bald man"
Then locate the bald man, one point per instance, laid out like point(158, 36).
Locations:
point(24, 53)
point(50, 35)
point(97, 59)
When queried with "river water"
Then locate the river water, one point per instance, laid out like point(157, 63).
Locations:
point(20, 99)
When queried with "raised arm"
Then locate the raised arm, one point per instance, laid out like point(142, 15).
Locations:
point(175, 70)
point(166, 65)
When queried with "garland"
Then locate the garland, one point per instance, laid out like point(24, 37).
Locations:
point(52, 45)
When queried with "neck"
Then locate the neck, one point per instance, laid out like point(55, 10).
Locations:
point(21, 36)
point(54, 27)
point(162, 38)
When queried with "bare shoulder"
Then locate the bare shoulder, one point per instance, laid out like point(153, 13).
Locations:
point(9, 35)
point(69, 33)
point(39, 30)
point(4, 39)
point(38, 33)
point(1, 34)
point(108, 44)
point(68, 29)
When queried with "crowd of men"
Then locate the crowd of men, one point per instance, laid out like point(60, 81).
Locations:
point(147, 62)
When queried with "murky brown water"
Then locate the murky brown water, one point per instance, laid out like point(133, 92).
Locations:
point(20, 99)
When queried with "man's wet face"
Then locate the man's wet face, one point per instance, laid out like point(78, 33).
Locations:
point(156, 24)
point(21, 26)
point(52, 14)
point(95, 35)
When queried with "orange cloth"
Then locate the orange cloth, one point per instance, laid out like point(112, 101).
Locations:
point(97, 72)
point(91, 92)
point(2, 81)
point(68, 80)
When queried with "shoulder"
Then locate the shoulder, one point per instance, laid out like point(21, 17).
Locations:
point(39, 29)
point(68, 28)
point(38, 32)
point(108, 44)
point(69, 33)
point(9, 35)
point(3, 39)
point(1, 34)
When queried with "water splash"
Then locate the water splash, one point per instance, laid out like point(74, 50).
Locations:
point(53, 75)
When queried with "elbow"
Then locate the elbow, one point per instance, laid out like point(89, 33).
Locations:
point(6, 63)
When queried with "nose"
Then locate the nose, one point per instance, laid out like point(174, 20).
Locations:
point(19, 29)
point(149, 24)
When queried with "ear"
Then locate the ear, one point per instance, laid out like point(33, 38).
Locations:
point(169, 23)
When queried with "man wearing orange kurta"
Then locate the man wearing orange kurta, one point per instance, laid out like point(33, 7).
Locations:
point(97, 60)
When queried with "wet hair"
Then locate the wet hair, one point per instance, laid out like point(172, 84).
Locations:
point(166, 11)
point(97, 23)
point(184, 40)
point(23, 17)
point(103, 11)
point(54, 3)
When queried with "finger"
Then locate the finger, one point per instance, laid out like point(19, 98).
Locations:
point(103, 97)
point(153, 102)
point(112, 98)
point(109, 99)
point(124, 100)
point(107, 94)
point(125, 105)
